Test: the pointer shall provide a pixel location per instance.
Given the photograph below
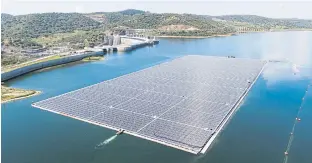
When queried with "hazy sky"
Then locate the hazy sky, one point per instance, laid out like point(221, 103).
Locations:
point(278, 9)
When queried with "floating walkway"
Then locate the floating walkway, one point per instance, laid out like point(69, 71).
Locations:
point(183, 103)
point(296, 121)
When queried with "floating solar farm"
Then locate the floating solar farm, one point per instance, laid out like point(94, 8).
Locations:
point(183, 103)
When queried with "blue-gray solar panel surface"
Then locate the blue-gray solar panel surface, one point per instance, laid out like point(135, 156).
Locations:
point(181, 102)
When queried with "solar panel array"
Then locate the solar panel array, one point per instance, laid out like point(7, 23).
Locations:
point(180, 103)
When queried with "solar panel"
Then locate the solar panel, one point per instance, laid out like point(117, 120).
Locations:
point(182, 103)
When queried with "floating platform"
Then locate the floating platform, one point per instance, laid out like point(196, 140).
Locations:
point(183, 103)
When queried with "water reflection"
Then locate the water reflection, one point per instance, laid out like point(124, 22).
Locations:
point(278, 72)
point(293, 47)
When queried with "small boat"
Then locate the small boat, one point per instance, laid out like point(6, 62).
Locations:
point(120, 131)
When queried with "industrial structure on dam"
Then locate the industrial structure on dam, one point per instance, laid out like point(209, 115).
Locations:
point(112, 43)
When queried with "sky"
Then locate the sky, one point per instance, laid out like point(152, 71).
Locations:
point(277, 9)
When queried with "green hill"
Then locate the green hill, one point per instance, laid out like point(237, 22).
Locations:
point(203, 25)
point(131, 12)
point(34, 25)
point(5, 18)
point(19, 30)
point(23, 30)
point(268, 22)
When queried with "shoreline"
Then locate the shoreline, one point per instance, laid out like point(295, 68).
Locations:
point(93, 58)
point(123, 47)
point(42, 60)
point(71, 63)
point(233, 34)
point(224, 35)
point(34, 93)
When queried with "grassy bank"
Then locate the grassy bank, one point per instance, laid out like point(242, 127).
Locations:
point(44, 59)
point(93, 58)
point(10, 94)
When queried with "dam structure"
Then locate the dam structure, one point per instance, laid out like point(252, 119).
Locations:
point(183, 103)
point(137, 42)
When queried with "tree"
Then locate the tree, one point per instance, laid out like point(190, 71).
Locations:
point(6, 42)
point(86, 43)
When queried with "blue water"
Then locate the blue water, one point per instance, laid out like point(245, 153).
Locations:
point(257, 133)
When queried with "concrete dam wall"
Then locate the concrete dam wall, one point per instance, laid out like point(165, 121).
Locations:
point(136, 43)
point(37, 66)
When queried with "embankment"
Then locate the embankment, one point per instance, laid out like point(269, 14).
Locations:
point(135, 42)
point(37, 66)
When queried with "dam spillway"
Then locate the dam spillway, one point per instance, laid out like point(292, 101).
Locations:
point(183, 103)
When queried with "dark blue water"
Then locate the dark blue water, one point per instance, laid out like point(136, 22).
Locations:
point(258, 132)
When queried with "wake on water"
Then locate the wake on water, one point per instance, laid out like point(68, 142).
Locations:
point(105, 142)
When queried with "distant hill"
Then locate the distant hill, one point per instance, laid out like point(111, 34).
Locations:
point(5, 18)
point(23, 29)
point(205, 25)
point(107, 16)
point(146, 20)
point(35, 25)
point(268, 22)
point(131, 12)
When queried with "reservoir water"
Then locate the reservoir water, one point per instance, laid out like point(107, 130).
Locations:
point(257, 133)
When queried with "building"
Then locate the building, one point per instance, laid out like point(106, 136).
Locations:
point(105, 40)
point(110, 40)
point(117, 40)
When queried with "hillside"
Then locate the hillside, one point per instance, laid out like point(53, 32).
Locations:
point(131, 12)
point(26, 30)
point(145, 20)
point(162, 24)
point(268, 22)
point(6, 18)
point(23, 27)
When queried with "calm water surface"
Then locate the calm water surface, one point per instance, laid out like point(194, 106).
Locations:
point(257, 133)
